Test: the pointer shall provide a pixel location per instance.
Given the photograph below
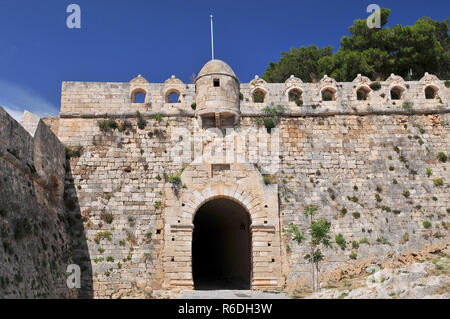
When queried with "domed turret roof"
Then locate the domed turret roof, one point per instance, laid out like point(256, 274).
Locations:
point(216, 67)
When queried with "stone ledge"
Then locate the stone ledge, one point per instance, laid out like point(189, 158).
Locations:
point(309, 112)
point(263, 228)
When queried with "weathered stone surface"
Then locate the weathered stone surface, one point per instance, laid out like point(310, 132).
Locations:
point(136, 189)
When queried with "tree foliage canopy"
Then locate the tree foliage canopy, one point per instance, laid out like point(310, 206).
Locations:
point(376, 53)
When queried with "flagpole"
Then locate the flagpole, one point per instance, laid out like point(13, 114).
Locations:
point(212, 37)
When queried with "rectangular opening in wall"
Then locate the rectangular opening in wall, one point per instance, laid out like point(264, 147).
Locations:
point(216, 82)
point(219, 169)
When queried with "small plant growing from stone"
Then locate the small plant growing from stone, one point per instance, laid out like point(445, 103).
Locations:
point(438, 182)
point(447, 83)
point(107, 125)
point(429, 172)
point(355, 244)
point(106, 217)
point(268, 179)
point(406, 193)
point(271, 117)
point(340, 240)
point(73, 152)
point(102, 235)
point(176, 182)
point(131, 221)
point(343, 212)
point(194, 106)
point(158, 117)
point(383, 241)
point(353, 255)
point(343, 295)
point(124, 125)
point(408, 106)
point(356, 215)
point(442, 157)
point(141, 122)
point(391, 168)
point(157, 204)
point(107, 196)
point(364, 240)
point(405, 237)
point(375, 86)
point(110, 259)
point(427, 224)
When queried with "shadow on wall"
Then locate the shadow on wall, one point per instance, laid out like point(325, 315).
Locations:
point(76, 231)
point(39, 235)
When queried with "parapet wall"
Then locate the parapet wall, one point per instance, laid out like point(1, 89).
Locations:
point(34, 233)
point(115, 99)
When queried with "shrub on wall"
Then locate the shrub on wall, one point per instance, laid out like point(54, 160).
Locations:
point(107, 125)
point(427, 224)
point(408, 106)
point(438, 182)
point(271, 117)
point(141, 122)
point(340, 240)
point(442, 157)
point(73, 152)
point(375, 86)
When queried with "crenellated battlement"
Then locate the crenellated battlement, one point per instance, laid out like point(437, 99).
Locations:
point(175, 97)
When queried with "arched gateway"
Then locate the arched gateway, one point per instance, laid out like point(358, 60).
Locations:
point(221, 246)
point(223, 232)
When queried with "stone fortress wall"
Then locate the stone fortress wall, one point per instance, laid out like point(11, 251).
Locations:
point(36, 246)
point(363, 162)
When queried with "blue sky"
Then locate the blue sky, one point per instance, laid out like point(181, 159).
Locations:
point(119, 39)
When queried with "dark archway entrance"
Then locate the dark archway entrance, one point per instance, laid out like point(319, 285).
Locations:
point(221, 246)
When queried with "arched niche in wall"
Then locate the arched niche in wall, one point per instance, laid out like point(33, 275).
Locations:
point(397, 87)
point(173, 90)
point(362, 87)
point(139, 90)
point(431, 92)
point(431, 85)
point(328, 89)
point(138, 95)
point(258, 91)
point(294, 90)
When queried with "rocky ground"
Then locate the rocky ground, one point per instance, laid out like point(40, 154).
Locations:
point(416, 276)
point(419, 280)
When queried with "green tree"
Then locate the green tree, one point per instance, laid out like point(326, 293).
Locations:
point(300, 62)
point(376, 53)
point(319, 231)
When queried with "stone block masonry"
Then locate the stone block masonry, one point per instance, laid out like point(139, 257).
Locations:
point(36, 246)
point(370, 155)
